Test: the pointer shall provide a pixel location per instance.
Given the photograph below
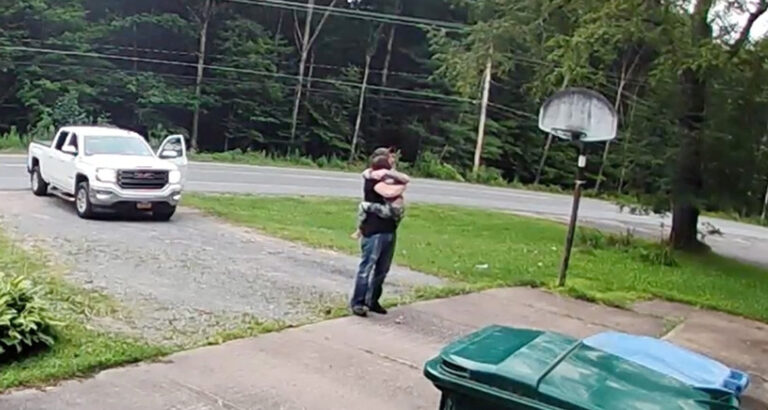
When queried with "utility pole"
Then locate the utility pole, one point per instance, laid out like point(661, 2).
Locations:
point(483, 112)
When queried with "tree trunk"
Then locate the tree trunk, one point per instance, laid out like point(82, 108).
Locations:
point(360, 106)
point(625, 146)
point(135, 51)
point(616, 107)
point(302, 64)
point(378, 118)
point(483, 113)
point(311, 73)
point(200, 72)
point(307, 39)
point(539, 171)
point(765, 206)
point(388, 58)
point(688, 180)
point(279, 28)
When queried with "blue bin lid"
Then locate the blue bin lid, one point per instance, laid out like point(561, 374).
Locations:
point(691, 368)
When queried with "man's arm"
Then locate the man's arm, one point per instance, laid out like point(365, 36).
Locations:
point(389, 191)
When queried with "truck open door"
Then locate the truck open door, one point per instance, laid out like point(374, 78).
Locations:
point(174, 149)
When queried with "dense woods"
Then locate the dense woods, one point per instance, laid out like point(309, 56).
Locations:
point(324, 78)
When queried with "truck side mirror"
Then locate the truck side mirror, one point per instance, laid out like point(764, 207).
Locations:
point(169, 154)
point(68, 149)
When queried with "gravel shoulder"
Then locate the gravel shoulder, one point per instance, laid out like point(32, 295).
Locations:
point(187, 279)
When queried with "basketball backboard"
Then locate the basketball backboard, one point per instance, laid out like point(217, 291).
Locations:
point(579, 112)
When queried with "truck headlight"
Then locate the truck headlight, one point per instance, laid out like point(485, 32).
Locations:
point(174, 177)
point(106, 175)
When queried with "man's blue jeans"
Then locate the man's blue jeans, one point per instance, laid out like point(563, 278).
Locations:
point(377, 253)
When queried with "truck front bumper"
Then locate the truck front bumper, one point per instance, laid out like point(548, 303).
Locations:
point(108, 195)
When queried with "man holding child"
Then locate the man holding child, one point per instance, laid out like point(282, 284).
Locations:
point(380, 213)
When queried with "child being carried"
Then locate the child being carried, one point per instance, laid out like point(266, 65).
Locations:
point(394, 208)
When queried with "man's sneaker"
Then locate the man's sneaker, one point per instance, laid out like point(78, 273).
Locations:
point(361, 311)
point(377, 308)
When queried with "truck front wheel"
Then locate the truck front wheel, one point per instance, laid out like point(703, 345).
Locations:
point(39, 186)
point(83, 201)
point(163, 212)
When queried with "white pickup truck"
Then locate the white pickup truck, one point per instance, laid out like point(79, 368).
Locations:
point(102, 168)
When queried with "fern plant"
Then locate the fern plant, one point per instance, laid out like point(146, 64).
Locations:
point(25, 320)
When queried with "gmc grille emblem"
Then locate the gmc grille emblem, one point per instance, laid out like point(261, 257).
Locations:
point(144, 175)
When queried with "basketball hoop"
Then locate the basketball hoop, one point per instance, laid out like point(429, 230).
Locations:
point(581, 116)
point(579, 111)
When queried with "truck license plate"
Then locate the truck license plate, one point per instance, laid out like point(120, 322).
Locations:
point(144, 205)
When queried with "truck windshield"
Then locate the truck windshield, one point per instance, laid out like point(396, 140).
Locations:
point(95, 145)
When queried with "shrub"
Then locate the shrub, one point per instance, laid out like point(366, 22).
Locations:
point(430, 166)
point(487, 176)
point(25, 322)
point(624, 240)
point(12, 140)
point(322, 162)
point(303, 162)
point(654, 254)
point(336, 163)
point(660, 254)
point(590, 239)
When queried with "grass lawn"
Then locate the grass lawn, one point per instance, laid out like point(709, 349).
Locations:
point(79, 350)
point(492, 249)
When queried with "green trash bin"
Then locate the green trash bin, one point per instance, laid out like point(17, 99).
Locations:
point(505, 368)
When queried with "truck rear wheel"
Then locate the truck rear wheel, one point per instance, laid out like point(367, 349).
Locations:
point(39, 186)
point(83, 201)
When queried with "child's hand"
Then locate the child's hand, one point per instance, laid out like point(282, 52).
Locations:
point(355, 235)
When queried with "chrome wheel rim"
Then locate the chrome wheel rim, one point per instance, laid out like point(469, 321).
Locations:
point(82, 200)
point(35, 181)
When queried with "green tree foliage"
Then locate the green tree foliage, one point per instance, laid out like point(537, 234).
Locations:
point(689, 84)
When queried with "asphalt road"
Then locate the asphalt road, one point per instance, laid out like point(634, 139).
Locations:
point(743, 241)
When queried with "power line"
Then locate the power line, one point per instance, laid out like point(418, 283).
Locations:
point(274, 74)
point(390, 72)
point(107, 46)
point(733, 90)
point(514, 111)
point(357, 14)
point(194, 54)
point(233, 70)
point(242, 82)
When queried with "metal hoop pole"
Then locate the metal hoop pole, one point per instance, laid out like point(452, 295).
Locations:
point(582, 164)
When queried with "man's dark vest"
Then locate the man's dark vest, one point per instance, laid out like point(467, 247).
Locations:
point(373, 223)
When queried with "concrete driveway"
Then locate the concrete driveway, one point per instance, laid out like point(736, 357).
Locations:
point(376, 363)
point(742, 241)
